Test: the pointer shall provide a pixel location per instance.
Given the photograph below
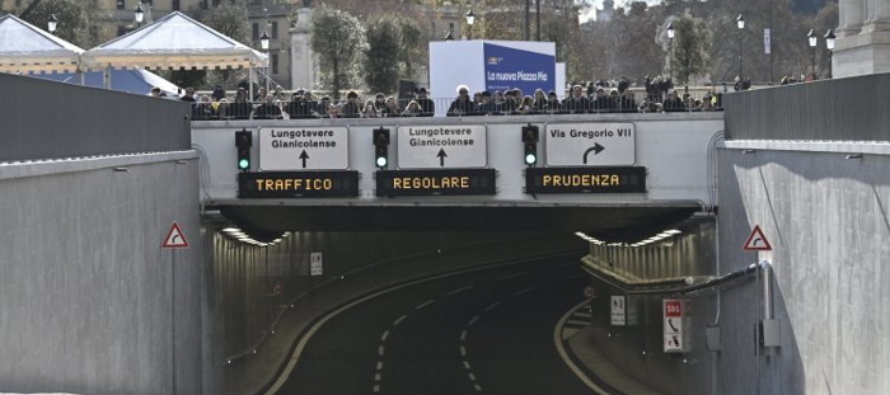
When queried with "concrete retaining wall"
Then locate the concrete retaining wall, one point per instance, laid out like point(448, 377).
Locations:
point(84, 284)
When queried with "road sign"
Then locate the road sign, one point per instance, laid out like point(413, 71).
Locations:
point(757, 241)
point(619, 310)
point(590, 144)
point(175, 238)
point(277, 288)
point(588, 292)
point(313, 148)
point(315, 267)
point(674, 322)
point(442, 146)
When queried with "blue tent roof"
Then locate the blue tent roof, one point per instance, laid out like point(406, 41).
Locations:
point(139, 82)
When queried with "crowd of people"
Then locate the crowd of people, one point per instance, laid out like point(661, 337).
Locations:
point(596, 97)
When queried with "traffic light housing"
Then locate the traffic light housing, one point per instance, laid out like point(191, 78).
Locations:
point(381, 147)
point(243, 142)
point(530, 134)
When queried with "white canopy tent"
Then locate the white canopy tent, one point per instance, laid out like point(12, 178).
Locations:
point(173, 42)
point(26, 48)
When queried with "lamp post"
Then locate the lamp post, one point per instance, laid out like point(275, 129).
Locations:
point(471, 18)
point(52, 23)
point(829, 43)
point(139, 15)
point(740, 23)
point(264, 44)
point(813, 40)
point(670, 33)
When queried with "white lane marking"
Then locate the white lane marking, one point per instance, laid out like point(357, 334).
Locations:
point(304, 340)
point(493, 306)
point(473, 320)
point(525, 291)
point(380, 365)
point(582, 314)
point(477, 387)
point(380, 351)
point(424, 304)
point(385, 335)
point(377, 377)
point(376, 388)
point(472, 377)
point(514, 275)
point(459, 290)
point(399, 320)
point(467, 365)
point(560, 347)
point(577, 322)
point(463, 351)
point(463, 335)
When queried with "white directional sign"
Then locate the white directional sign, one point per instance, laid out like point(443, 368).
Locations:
point(315, 148)
point(442, 146)
point(619, 310)
point(315, 266)
point(590, 144)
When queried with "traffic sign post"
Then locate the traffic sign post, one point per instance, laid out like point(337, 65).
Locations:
point(174, 240)
point(590, 144)
point(315, 264)
point(619, 310)
point(312, 148)
point(442, 146)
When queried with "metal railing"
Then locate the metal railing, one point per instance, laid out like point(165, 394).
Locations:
point(310, 109)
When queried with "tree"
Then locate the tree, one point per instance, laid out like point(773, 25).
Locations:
point(382, 54)
point(339, 40)
point(77, 21)
point(691, 48)
point(413, 48)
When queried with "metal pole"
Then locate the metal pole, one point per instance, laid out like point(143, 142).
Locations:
point(528, 35)
point(740, 54)
point(671, 62)
point(771, 34)
point(173, 319)
point(537, 20)
point(830, 73)
point(813, 62)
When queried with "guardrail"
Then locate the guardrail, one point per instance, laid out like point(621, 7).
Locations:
point(632, 285)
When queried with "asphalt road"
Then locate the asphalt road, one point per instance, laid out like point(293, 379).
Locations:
point(484, 332)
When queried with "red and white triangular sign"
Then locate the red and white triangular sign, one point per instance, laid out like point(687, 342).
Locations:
point(757, 241)
point(175, 238)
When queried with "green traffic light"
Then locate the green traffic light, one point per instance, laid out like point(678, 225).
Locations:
point(243, 164)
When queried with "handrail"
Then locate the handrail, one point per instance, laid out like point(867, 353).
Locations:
point(667, 286)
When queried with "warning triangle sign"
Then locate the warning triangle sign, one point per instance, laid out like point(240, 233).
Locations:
point(175, 238)
point(757, 241)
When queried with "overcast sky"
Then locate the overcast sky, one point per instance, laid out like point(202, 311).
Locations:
point(599, 4)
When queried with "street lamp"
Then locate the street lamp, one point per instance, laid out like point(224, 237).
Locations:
point(670, 33)
point(264, 44)
point(829, 43)
point(740, 23)
point(813, 40)
point(52, 23)
point(471, 18)
point(139, 14)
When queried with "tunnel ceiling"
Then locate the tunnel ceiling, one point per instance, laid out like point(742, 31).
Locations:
point(606, 223)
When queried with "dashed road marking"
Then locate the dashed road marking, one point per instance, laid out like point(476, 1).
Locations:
point(514, 275)
point(525, 291)
point(399, 320)
point(467, 365)
point(424, 304)
point(376, 389)
point(380, 350)
point(493, 306)
point(377, 377)
point(463, 351)
point(463, 335)
point(477, 387)
point(459, 290)
point(384, 336)
point(473, 320)
point(472, 377)
point(380, 365)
